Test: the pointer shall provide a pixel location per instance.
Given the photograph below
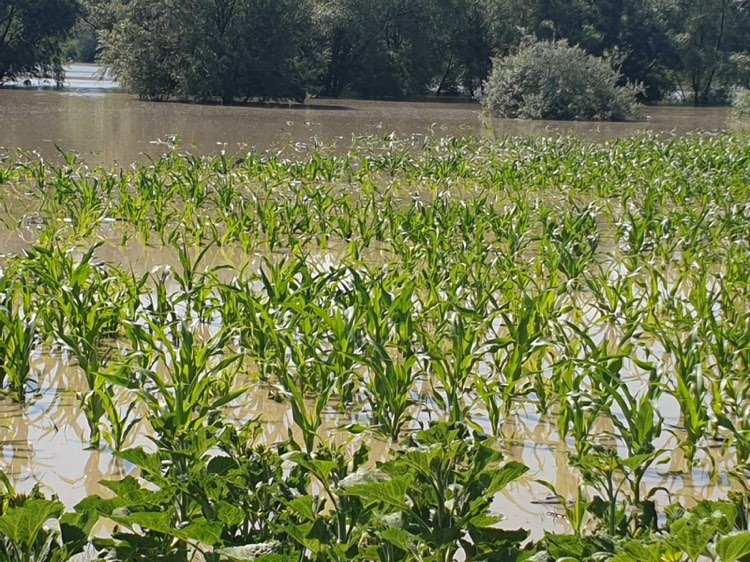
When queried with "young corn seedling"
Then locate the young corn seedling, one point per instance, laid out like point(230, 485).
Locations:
point(186, 383)
point(118, 417)
point(80, 311)
point(575, 237)
point(194, 288)
point(639, 425)
point(18, 334)
point(388, 387)
point(345, 338)
point(452, 356)
point(579, 414)
point(690, 388)
point(516, 354)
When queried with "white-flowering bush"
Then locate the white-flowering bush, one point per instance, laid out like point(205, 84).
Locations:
point(554, 80)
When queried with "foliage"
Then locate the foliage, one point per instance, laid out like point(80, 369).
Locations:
point(553, 80)
point(708, 36)
point(82, 45)
point(633, 36)
point(399, 48)
point(31, 36)
point(229, 50)
point(691, 49)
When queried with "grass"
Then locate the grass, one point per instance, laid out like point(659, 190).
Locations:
point(602, 287)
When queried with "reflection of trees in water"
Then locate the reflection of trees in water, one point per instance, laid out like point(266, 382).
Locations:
point(17, 450)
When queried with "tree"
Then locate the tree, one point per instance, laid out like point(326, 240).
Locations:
point(401, 48)
point(371, 47)
point(634, 36)
point(232, 50)
point(31, 36)
point(710, 37)
point(461, 40)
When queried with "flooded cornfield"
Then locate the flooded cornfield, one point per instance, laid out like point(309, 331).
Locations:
point(367, 325)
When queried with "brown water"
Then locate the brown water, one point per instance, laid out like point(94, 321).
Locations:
point(107, 127)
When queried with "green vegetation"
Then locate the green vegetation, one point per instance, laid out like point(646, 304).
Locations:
point(31, 35)
point(228, 49)
point(235, 50)
point(553, 80)
point(430, 295)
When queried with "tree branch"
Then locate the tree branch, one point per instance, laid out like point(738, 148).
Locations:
point(8, 24)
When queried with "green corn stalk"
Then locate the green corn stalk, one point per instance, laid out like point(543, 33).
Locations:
point(455, 367)
point(18, 334)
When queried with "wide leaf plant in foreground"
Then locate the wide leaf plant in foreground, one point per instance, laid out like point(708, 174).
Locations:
point(435, 499)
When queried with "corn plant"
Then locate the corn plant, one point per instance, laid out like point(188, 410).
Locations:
point(18, 335)
point(516, 351)
point(193, 284)
point(574, 237)
point(639, 426)
point(453, 354)
point(690, 388)
point(185, 382)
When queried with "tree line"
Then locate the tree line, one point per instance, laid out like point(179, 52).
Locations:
point(240, 50)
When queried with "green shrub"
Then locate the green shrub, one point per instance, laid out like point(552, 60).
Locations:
point(554, 80)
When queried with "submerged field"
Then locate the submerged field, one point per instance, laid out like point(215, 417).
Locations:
point(380, 353)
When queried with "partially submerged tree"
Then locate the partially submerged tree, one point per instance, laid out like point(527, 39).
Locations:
point(232, 50)
point(31, 36)
point(401, 48)
point(709, 35)
point(554, 80)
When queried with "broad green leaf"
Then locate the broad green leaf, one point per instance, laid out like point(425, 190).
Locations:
point(305, 535)
point(562, 546)
point(692, 535)
point(98, 504)
point(202, 531)
point(22, 525)
point(220, 465)
point(159, 521)
point(391, 493)
point(250, 552)
point(505, 475)
point(485, 521)
point(637, 551)
point(150, 462)
point(229, 514)
point(304, 506)
point(734, 547)
point(399, 538)
point(131, 492)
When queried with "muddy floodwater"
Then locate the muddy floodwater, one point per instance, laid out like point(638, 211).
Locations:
point(107, 127)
